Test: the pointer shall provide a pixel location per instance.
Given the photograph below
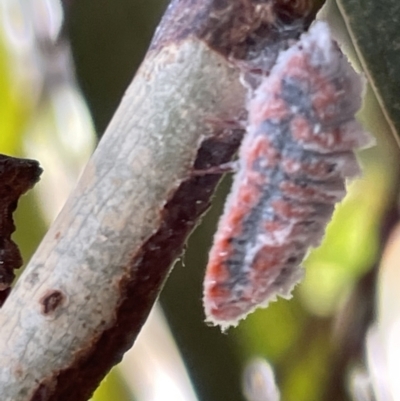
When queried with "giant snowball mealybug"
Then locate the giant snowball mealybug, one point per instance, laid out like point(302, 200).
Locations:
point(294, 159)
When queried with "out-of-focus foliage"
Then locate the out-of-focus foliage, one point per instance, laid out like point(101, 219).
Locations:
point(16, 108)
point(109, 40)
point(384, 338)
point(259, 381)
point(113, 387)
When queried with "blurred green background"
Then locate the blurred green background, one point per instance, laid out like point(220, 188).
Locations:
point(314, 340)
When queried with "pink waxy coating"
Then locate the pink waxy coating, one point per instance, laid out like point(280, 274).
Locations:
point(294, 159)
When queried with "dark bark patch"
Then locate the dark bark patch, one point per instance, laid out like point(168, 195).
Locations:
point(16, 177)
point(41, 393)
point(235, 28)
point(51, 301)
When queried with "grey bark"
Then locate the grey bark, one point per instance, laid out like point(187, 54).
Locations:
point(143, 157)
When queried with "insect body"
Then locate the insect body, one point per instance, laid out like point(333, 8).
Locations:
point(294, 158)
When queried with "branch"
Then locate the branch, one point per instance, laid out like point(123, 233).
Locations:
point(87, 291)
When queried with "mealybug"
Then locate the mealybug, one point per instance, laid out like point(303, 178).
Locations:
point(293, 161)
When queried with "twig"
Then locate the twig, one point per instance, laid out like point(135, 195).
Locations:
point(87, 291)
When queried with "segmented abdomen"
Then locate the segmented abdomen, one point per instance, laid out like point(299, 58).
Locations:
point(293, 161)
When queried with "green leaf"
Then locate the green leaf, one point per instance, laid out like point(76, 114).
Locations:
point(374, 27)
